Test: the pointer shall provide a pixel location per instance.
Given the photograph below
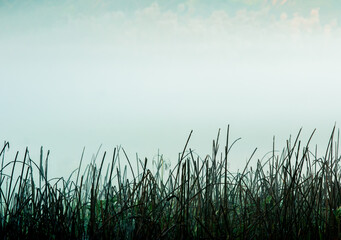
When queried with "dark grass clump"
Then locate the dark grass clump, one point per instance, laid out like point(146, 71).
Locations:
point(294, 195)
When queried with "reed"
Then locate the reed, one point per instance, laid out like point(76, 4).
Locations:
point(294, 194)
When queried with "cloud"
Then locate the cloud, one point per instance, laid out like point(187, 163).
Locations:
point(306, 24)
point(240, 23)
point(156, 23)
point(298, 24)
point(283, 16)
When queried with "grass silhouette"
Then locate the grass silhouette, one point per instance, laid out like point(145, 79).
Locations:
point(294, 194)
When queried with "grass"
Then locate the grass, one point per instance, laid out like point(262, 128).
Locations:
point(293, 195)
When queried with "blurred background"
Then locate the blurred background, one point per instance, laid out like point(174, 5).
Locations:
point(143, 74)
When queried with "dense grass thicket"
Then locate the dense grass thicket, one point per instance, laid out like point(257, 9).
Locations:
point(293, 195)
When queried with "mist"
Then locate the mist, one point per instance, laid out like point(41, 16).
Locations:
point(143, 75)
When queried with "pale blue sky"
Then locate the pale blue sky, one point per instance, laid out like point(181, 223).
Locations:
point(144, 73)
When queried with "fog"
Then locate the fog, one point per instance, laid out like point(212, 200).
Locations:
point(142, 76)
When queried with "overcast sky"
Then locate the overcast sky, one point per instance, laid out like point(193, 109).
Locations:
point(143, 74)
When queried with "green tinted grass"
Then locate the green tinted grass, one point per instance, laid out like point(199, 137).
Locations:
point(293, 195)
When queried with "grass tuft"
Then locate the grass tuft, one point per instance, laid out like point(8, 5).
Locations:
point(294, 194)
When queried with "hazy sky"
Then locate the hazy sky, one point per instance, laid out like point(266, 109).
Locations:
point(142, 74)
